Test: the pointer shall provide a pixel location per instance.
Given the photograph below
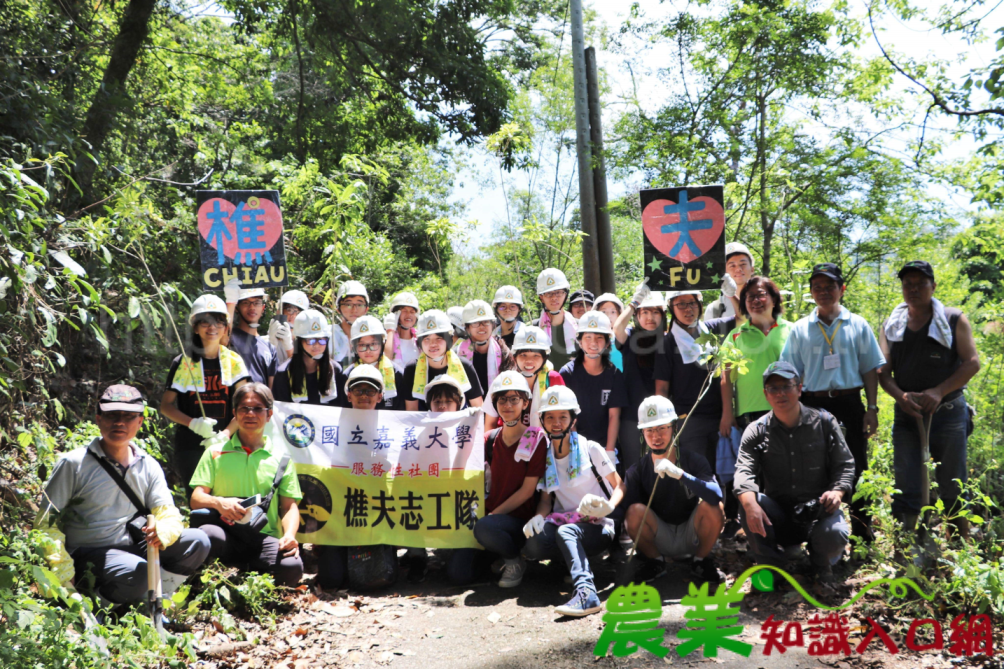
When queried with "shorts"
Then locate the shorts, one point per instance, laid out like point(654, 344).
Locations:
point(677, 541)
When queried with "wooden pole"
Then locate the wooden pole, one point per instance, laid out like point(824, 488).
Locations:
point(587, 201)
point(604, 236)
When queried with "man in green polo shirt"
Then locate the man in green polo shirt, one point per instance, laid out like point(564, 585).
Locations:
point(245, 467)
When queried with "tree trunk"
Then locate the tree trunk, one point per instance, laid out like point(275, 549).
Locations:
point(766, 224)
point(133, 30)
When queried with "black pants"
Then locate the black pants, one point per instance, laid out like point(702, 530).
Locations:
point(849, 410)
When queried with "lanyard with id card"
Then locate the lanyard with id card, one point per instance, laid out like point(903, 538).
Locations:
point(831, 361)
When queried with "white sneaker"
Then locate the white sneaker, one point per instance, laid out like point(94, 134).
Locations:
point(512, 573)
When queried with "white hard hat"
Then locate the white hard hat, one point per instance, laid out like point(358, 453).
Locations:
point(207, 304)
point(653, 300)
point(507, 381)
point(531, 338)
point(434, 321)
point(296, 298)
point(404, 300)
point(446, 380)
point(476, 311)
point(310, 323)
point(509, 294)
point(456, 316)
point(737, 247)
point(655, 411)
point(551, 279)
point(366, 326)
point(594, 321)
point(351, 288)
point(558, 398)
point(247, 293)
point(673, 294)
point(365, 374)
point(608, 297)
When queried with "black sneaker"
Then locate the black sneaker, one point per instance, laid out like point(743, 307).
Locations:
point(705, 570)
point(639, 570)
point(731, 527)
point(418, 567)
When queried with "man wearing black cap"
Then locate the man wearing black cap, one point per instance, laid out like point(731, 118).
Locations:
point(580, 302)
point(836, 355)
point(932, 355)
point(793, 471)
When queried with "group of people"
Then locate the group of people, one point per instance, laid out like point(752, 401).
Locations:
point(603, 422)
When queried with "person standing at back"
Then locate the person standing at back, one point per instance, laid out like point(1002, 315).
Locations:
point(402, 341)
point(488, 354)
point(351, 302)
point(579, 303)
point(280, 335)
point(508, 305)
point(740, 267)
point(552, 291)
point(246, 306)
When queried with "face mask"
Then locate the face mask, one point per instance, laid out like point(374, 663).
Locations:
point(438, 360)
point(318, 356)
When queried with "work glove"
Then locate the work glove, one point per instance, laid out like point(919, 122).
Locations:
point(595, 506)
point(215, 442)
point(729, 286)
point(390, 321)
point(280, 336)
point(534, 526)
point(232, 291)
point(666, 468)
point(641, 292)
point(202, 426)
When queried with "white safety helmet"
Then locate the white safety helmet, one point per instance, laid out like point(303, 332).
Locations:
point(559, 398)
point(207, 304)
point(608, 297)
point(404, 300)
point(594, 321)
point(551, 279)
point(476, 311)
point(733, 248)
point(456, 316)
point(296, 298)
point(365, 374)
point(653, 300)
point(508, 294)
point(531, 338)
point(434, 321)
point(655, 411)
point(247, 293)
point(446, 380)
point(351, 289)
point(673, 294)
point(310, 323)
point(367, 326)
point(506, 381)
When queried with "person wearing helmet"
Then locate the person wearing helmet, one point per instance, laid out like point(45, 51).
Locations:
point(639, 332)
point(598, 385)
point(245, 312)
point(515, 454)
point(210, 373)
point(402, 342)
point(739, 268)
point(686, 515)
point(579, 303)
point(367, 342)
point(487, 354)
point(552, 291)
point(530, 349)
point(435, 337)
point(309, 376)
point(611, 307)
point(443, 395)
point(508, 305)
point(351, 303)
point(456, 315)
point(572, 520)
point(280, 333)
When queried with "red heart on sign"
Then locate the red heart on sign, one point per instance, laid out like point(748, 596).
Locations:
point(255, 229)
point(696, 236)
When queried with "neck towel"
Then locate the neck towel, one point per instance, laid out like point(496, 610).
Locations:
point(330, 394)
point(466, 351)
point(528, 444)
point(690, 350)
point(568, 326)
point(454, 368)
point(516, 327)
point(939, 330)
point(578, 461)
point(190, 377)
point(386, 368)
point(537, 391)
point(397, 344)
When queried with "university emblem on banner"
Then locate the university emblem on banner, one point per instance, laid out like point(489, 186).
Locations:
point(298, 430)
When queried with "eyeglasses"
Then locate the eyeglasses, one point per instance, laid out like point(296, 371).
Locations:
point(777, 390)
point(352, 305)
point(686, 305)
point(757, 297)
point(258, 411)
point(824, 288)
point(254, 303)
point(554, 293)
point(323, 341)
point(121, 416)
point(366, 347)
point(510, 400)
point(210, 322)
point(363, 390)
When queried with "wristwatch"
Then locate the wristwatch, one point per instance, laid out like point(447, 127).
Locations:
point(873, 407)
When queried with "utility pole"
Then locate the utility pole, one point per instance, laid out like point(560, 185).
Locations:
point(587, 200)
point(604, 236)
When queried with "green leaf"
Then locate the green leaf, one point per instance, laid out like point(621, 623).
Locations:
point(133, 307)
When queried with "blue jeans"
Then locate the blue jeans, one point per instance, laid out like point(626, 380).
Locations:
point(827, 538)
point(501, 534)
point(575, 543)
point(948, 448)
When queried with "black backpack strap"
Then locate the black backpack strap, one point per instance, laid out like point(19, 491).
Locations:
point(599, 479)
point(280, 471)
point(121, 482)
point(490, 444)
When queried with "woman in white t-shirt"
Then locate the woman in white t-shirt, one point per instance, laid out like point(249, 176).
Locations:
point(571, 520)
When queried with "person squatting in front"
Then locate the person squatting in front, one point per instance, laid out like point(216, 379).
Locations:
point(686, 515)
point(102, 494)
point(793, 471)
point(244, 467)
point(571, 521)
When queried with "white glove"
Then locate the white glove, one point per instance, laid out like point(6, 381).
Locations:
point(390, 321)
point(215, 442)
point(595, 506)
point(280, 336)
point(232, 291)
point(665, 467)
point(535, 526)
point(729, 286)
point(642, 291)
point(202, 426)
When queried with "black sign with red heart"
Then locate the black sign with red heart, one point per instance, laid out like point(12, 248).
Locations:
point(684, 237)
